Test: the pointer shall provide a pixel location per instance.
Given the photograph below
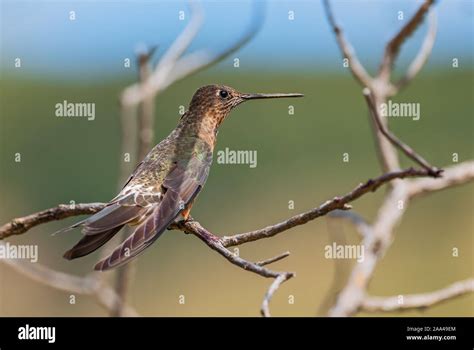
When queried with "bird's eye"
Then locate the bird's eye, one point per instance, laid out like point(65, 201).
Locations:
point(223, 94)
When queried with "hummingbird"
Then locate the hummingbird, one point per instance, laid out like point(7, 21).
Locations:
point(165, 183)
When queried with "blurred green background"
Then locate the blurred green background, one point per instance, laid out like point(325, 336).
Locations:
point(300, 156)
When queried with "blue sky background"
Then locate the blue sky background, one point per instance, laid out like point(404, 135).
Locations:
point(105, 32)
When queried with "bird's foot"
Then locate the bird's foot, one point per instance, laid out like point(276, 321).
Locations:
point(189, 218)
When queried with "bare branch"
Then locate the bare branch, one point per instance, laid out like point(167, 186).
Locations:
point(393, 46)
point(265, 309)
point(64, 211)
point(410, 152)
point(379, 236)
point(21, 225)
point(357, 69)
point(333, 204)
point(151, 83)
point(220, 245)
point(128, 128)
point(452, 176)
point(423, 54)
point(158, 80)
point(146, 108)
point(386, 153)
point(418, 301)
point(184, 40)
point(144, 138)
point(375, 247)
point(88, 285)
point(274, 259)
point(172, 71)
point(376, 244)
point(202, 59)
point(215, 243)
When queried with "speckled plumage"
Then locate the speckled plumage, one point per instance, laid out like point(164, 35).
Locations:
point(166, 182)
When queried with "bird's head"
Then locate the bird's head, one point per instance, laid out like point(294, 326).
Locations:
point(216, 101)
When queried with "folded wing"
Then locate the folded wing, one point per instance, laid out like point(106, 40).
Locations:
point(179, 188)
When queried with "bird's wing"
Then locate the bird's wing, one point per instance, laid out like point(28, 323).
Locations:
point(120, 210)
point(130, 205)
point(181, 185)
point(99, 228)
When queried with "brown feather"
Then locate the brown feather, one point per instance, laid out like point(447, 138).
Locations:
point(88, 244)
point(180, 187)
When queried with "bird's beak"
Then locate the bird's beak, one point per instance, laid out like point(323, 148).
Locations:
point(258, 96)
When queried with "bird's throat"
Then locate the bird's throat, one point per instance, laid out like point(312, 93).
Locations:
point(204, 128)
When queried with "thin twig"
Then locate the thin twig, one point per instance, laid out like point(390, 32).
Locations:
point(423, 54)
point(146, 109)
point(274, 259)
point(265, 309)
point(21, 225)
point(410, 152)
point(357, 69)
point(214, 242)
point(381, 232)
point(176, 66)
point(453, 176)
point(418, 301)
point(159, 78)
point(333, 204)
point(375, 246)
point(64, 211)
point(202, 59)
point(393, 46)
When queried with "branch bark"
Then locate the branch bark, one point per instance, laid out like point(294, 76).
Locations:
point(455, 175)
point(215, 243)
point(418, 301)
point(423, 54)
point(218, 244)
point(410, 152)
point(175, 66)
point(172, 67)
point(21, 225)
point(393, 47)
point(330, 205)
point(357, 69)
point(144, 138)
point(379, 235)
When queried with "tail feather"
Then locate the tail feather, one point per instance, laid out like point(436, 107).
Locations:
point(70, 228)
point(88, 244)
point(110, 217)
point(145, 234)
